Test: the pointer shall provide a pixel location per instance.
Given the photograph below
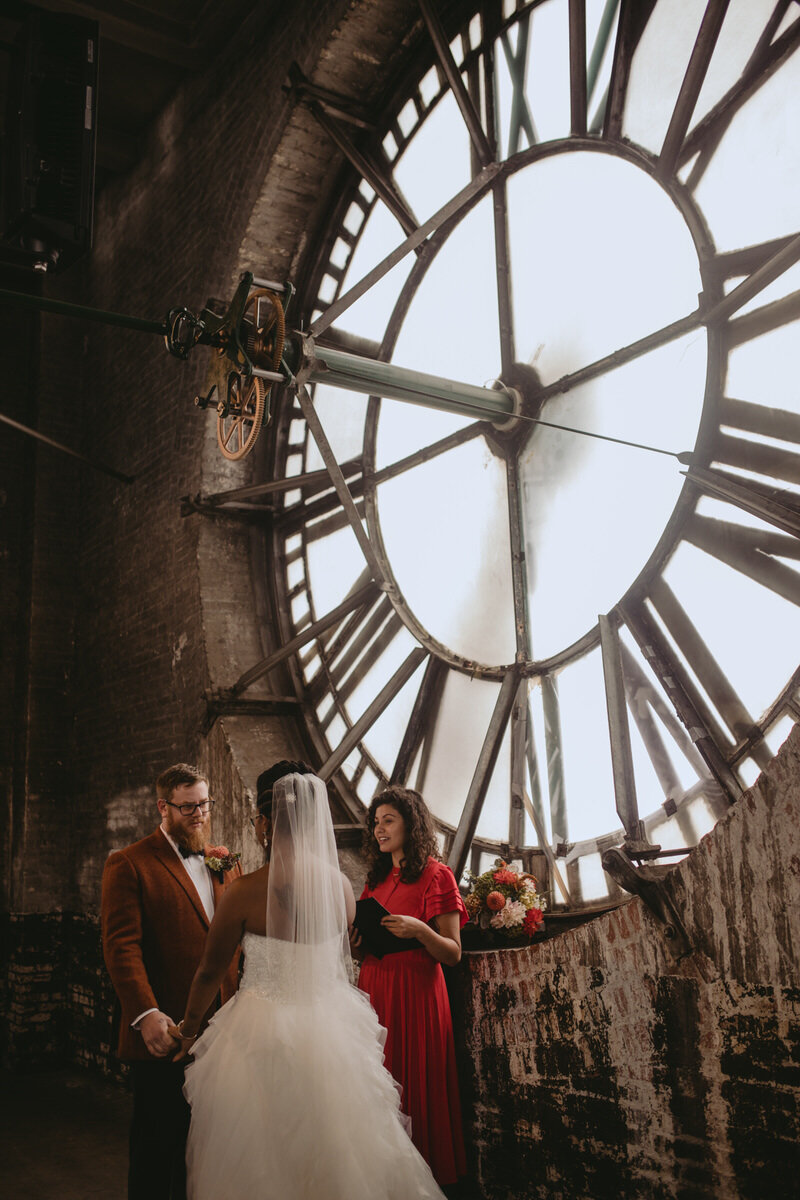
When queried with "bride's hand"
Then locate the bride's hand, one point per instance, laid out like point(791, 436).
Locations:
point(356, 949)
point(183, 1043)
point(404, 927)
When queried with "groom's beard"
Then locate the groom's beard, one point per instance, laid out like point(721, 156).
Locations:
point(193, 839)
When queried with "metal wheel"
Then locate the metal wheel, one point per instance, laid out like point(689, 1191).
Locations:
point(237, 432)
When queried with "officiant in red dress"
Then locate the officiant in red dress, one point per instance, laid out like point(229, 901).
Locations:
point(407, 989)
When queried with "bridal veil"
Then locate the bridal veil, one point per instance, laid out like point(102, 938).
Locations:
point(305, 896)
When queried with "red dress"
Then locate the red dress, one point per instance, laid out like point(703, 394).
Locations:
point(408, 992)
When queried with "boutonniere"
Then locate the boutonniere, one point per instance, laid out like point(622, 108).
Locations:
point(219, 858)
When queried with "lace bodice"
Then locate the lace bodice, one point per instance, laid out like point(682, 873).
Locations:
point(287, 972)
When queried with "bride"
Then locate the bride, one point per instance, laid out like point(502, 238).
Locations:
point(288, 1090)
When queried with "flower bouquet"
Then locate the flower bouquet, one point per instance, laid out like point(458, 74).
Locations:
point(219, 858)
point(505, 901)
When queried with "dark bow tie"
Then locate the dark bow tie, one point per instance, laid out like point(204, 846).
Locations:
point(189, 853)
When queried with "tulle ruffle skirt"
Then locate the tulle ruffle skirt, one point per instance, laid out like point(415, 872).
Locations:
point(292, 1102)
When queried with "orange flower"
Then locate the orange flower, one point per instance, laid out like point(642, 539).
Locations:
point(218, 852)
point(495, 901)
point(504, 875)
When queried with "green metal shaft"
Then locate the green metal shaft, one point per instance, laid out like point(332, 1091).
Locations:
point(374, 378)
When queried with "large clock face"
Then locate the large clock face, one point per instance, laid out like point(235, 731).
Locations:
point(559, 627)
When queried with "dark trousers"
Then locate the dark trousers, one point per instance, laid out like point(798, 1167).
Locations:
point(159, 1127)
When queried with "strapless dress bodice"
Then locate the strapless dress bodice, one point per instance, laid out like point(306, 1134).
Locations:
point(287, 971)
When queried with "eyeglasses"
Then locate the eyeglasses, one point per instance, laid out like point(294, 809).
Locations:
point(188, 810)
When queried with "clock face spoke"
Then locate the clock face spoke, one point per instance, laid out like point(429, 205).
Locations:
point(427, 453)
point(765, 60)
point(691, 794)
point(577, 66)
point(692, 83)
point(468, 824)
point(634, 15)
point(366, 763)
point(693, 711)
point(770, 272)
point(650, 712)
point(760, 320)
point(519, 743)
point(312, 632)
point(372, 713)
point(325, 527)
point(520, 120)
point(734, 647)
point(503, 268)
point(338, 481)
point(610, 362)
point(735, 263)
point(468, 111)
point(602, 39)
point(749, 452)
point(619, 734)
point(523, 754)
point(532, 759)
point(518, 574)
point(555, 759)
point(752, 552)
point(710, 675)
point(364, 653)
point(367, 632)
point(377, 176)
point(421, 725)
point(773, 505)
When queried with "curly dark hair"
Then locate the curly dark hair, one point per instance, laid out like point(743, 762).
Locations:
point(267, 780)
point(420, 842)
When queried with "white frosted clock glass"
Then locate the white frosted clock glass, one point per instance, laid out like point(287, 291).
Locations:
point(605, 247)
point(446, 534)
point(757, 163)
point(436, 163)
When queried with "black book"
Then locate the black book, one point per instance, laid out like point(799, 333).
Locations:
point(376, 938)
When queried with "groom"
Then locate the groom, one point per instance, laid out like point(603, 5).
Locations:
point(157, 902)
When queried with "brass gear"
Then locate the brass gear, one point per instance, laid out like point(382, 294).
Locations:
point(237, 432)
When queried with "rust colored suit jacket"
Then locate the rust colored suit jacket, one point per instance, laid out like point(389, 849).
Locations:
point(154, 930)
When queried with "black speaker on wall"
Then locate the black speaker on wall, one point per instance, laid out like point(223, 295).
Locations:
point(47, 200)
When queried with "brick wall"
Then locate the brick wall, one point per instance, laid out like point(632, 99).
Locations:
point(103, 651)
point(605, 1063)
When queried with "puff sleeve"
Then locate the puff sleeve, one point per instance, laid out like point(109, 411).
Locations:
point(442, 894)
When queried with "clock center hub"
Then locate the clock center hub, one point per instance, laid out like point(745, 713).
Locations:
point(511, 435)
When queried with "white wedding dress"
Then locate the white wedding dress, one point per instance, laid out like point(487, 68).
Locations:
point(290, 1098)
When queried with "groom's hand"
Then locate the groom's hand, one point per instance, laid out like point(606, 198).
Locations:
point(155, 1032)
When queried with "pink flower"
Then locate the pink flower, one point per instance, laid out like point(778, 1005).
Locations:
point(495, 901)
point(218, 852)
point(511, 917)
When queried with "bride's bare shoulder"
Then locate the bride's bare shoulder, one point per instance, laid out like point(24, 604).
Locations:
point(252, 899)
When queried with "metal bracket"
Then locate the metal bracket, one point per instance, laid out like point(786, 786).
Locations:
point(646, 882)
